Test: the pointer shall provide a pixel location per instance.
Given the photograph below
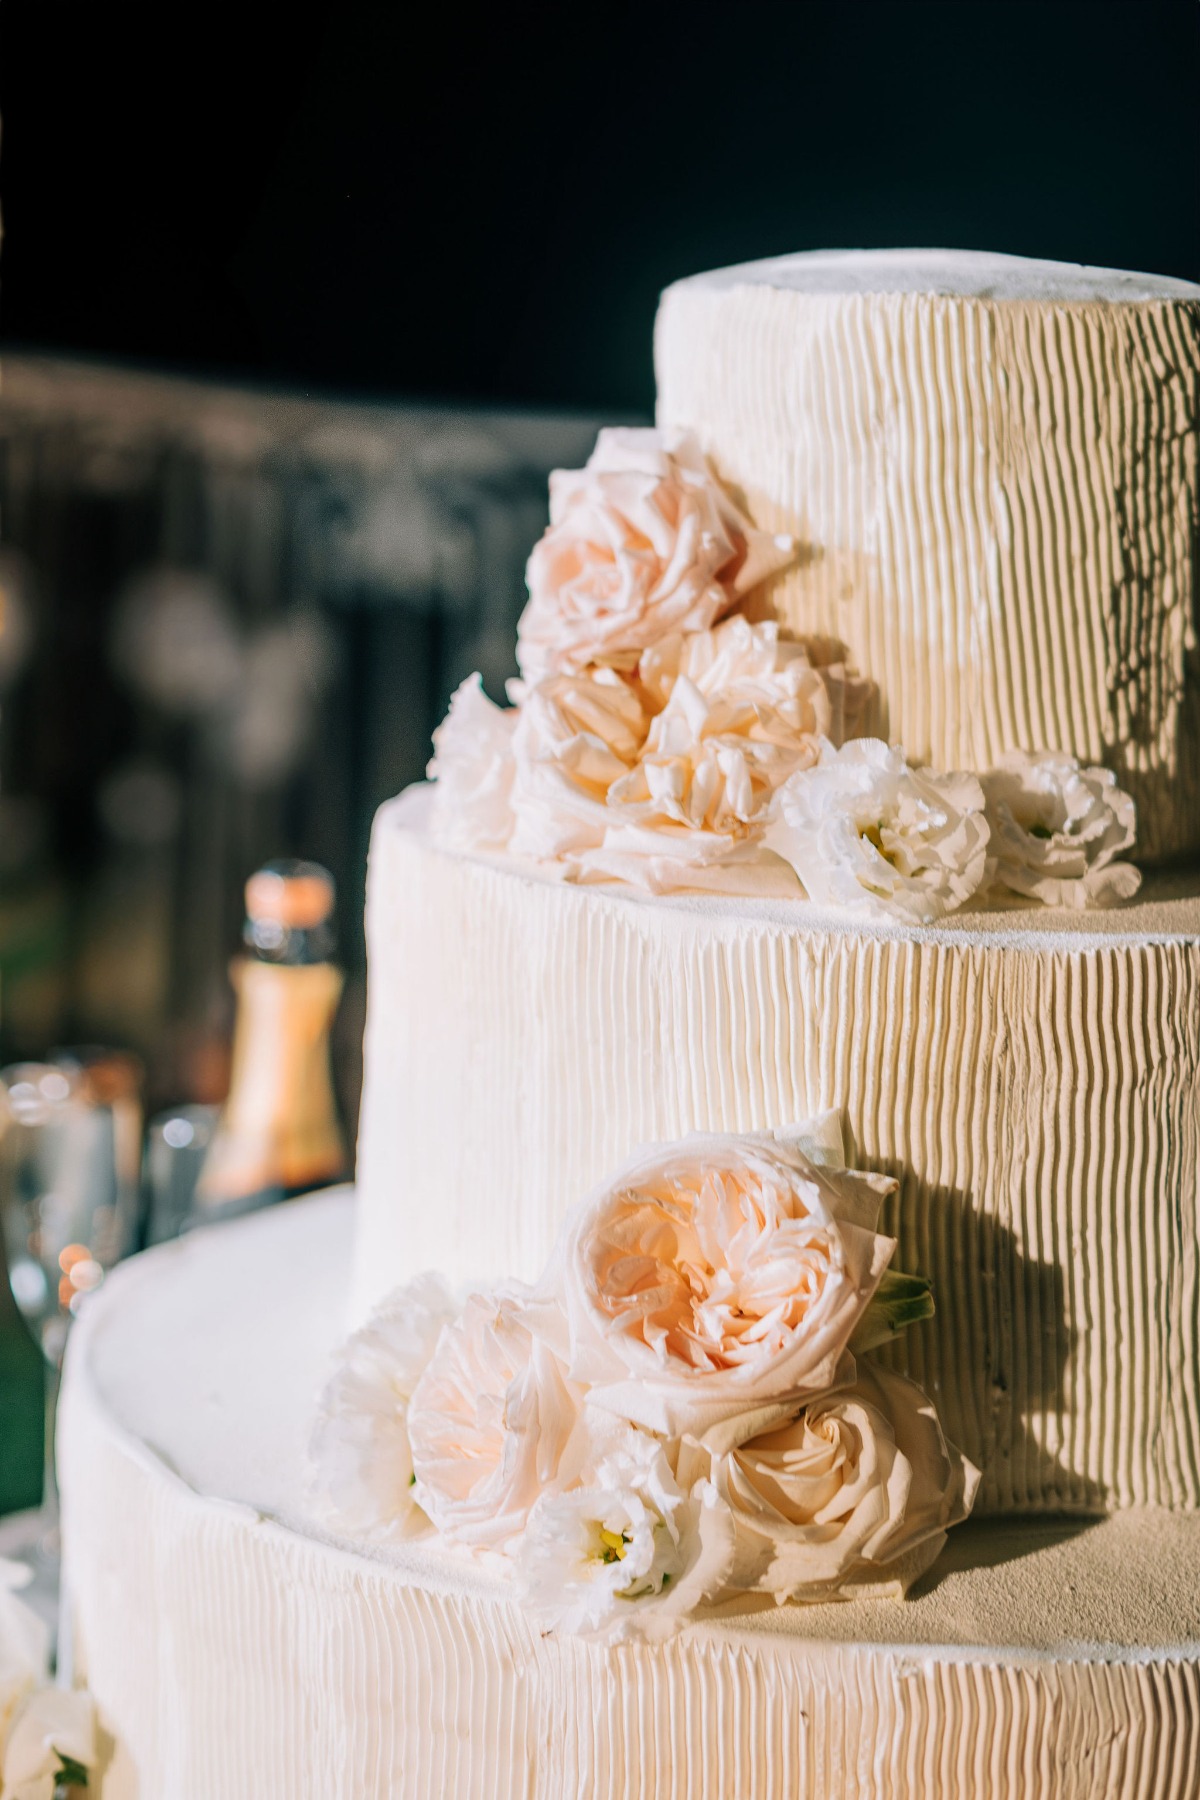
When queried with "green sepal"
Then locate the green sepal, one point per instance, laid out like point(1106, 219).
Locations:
point(899, 1301)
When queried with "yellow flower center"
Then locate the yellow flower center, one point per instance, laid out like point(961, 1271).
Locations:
point(614, 1545)
point(874, 836)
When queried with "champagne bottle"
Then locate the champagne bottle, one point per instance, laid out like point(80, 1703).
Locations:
point(278, 1132)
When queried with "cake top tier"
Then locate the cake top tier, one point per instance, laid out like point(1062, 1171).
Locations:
point(993, 467)
point(961, 274)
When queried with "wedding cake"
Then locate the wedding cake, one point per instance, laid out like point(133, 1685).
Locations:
point(780, 1140)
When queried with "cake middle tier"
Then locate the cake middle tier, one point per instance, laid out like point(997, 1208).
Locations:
point(1031, 1078)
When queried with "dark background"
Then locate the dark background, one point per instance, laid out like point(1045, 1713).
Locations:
point(416, 201)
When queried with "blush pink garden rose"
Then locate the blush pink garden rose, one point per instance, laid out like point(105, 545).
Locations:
point(742, 708)
point(576, 736)
point(642, 542)
point(714, 1279)
point(856, 1490)
point(664, 779)
point(489, 1422)
point(1058, 830)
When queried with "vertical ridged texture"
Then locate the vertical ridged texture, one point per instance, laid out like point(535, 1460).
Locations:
point(998, 508)
point(1038, 1101)
point(231, 1657)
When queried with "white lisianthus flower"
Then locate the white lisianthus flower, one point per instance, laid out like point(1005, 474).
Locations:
point(359, 1451)
point(714, 1278)
point(576, 736)
point(490, 1422)
point(865, 831)
point(630, 1554)
point(52, 1737)
point(857, 1488)
point(642, 542)
point(1057, 830)
point(473, 770)
point(46, 1733)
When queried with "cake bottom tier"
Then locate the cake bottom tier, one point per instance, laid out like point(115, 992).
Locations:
point(236, 1650)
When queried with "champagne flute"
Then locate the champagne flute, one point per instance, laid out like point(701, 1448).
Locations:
point(176, 1145)
point(60, 1203)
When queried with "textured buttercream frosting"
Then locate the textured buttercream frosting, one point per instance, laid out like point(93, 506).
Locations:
point(991, 466)
point(235, 1649)
point(961, 274)
point(1031, 1076)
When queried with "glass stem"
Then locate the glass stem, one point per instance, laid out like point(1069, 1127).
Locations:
point(48, 1541)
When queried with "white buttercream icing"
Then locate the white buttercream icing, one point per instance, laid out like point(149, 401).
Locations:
point(961, 274)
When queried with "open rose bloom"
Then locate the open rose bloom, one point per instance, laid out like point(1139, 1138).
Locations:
point(855, 1483)
point(682, 1410)
point(489, 1422)
point(664, 779)
point(643, 542)
point(717, 1278)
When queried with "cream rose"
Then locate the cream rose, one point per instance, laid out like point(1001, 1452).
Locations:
point(1057, 830)
point(714, 1277)
point(359, 1451)
point(489, 1422)
point(473, 768)
point(859, 1487)
point(866, 831)
point(642, 542)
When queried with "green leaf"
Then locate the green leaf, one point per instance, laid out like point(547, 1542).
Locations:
point(899, 1301)
point(71, 1775)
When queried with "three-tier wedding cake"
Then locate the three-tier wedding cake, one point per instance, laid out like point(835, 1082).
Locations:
point(781, 1133)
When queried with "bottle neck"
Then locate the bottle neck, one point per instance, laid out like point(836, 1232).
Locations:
point(292, 946)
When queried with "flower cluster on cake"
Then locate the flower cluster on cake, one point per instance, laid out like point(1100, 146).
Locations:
point(666, 732)
point(47, 1733)
point(681, 1412)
